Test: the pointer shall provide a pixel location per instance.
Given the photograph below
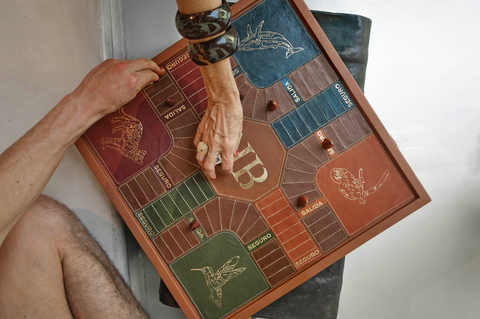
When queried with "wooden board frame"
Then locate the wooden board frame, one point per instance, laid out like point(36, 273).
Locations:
point(421, 196)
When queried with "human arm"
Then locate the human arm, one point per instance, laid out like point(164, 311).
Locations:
point(27, 165)
point(221, 125)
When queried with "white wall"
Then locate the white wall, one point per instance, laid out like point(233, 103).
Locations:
point(422, 79)
point(46, 49)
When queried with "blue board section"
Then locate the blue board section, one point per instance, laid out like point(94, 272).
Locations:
point(318, 112)
point(273, 42)
point(287, 84)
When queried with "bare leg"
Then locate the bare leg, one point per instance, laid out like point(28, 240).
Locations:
point(51, 268)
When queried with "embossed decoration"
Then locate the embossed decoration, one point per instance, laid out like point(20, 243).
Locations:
point(216, 280)
point(213, 51)
point(263, 40)
point(204, 24)
point(352, 188)
point(129, 140)
point(127, 144)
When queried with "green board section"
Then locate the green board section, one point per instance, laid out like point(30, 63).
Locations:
point(214, 276)
point(175, 204)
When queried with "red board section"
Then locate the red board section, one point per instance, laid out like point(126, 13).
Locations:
point(127, 140)
point(188, 77)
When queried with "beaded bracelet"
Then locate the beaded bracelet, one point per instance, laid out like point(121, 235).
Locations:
point(204, 24)
point(213, 51)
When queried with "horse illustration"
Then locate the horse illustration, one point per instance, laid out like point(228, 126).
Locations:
point(127, 144)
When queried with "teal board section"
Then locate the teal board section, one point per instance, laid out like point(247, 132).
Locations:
point(311, 116)
point(273, 42)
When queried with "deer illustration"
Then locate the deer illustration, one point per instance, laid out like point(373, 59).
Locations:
point(127, 144)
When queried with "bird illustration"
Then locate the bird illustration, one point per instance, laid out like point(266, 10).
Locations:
point(216, 280)
point(262, 40)
point(353, 188)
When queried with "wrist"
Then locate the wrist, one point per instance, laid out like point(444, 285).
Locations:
point(220, 85)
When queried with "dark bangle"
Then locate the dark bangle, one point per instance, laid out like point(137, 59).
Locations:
point(213, 51)
point(204, 24)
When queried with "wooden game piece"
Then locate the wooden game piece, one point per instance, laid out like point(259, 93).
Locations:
point(194, 224)
point(327, 144)
point(272, 105)
point(170, 102)
point(162, 71)
point(303, 200)
point(202, 148)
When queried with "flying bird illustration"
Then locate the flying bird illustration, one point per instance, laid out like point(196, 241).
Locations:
point(216, 280)
point(353, 188)
point(262, 40)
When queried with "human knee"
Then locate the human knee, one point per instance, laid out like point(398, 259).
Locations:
point(51, 218)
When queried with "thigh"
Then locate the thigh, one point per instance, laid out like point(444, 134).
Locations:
point(31, 278)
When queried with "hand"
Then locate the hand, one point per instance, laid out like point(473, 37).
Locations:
point(221, 126)
point(220, 129)
point(114, 83)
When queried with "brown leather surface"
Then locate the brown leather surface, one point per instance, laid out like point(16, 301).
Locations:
point(180, 162)
point(176, 241)
point(272, 261)
point(313, 77)
point(325, 228)
point(255, 100)
point(160, 91)
point(142, 189)
point(238, 217)
point(265, 148)
point(307, 156)
point(288, 229)
point(365, 165)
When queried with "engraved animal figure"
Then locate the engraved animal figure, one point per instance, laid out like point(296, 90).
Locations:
point(262, 40)
point(127, 144)
point(216, 280)
point(353, 188)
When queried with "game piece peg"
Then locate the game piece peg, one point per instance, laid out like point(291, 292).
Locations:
point(195, 224)
point(303, 201)
point(242, 96)
point(162, 71)
point(272, 105)
point(170, 102)
point(327, 144)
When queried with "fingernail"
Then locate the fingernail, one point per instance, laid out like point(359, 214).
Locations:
point(236, 152)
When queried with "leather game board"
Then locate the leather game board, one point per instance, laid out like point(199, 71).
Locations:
point(314, 178)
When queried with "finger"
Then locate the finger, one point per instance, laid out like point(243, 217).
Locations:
point(146, 77)
point(209, 164)
point(200, 159)
point(146, 64)
point(227, 163)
